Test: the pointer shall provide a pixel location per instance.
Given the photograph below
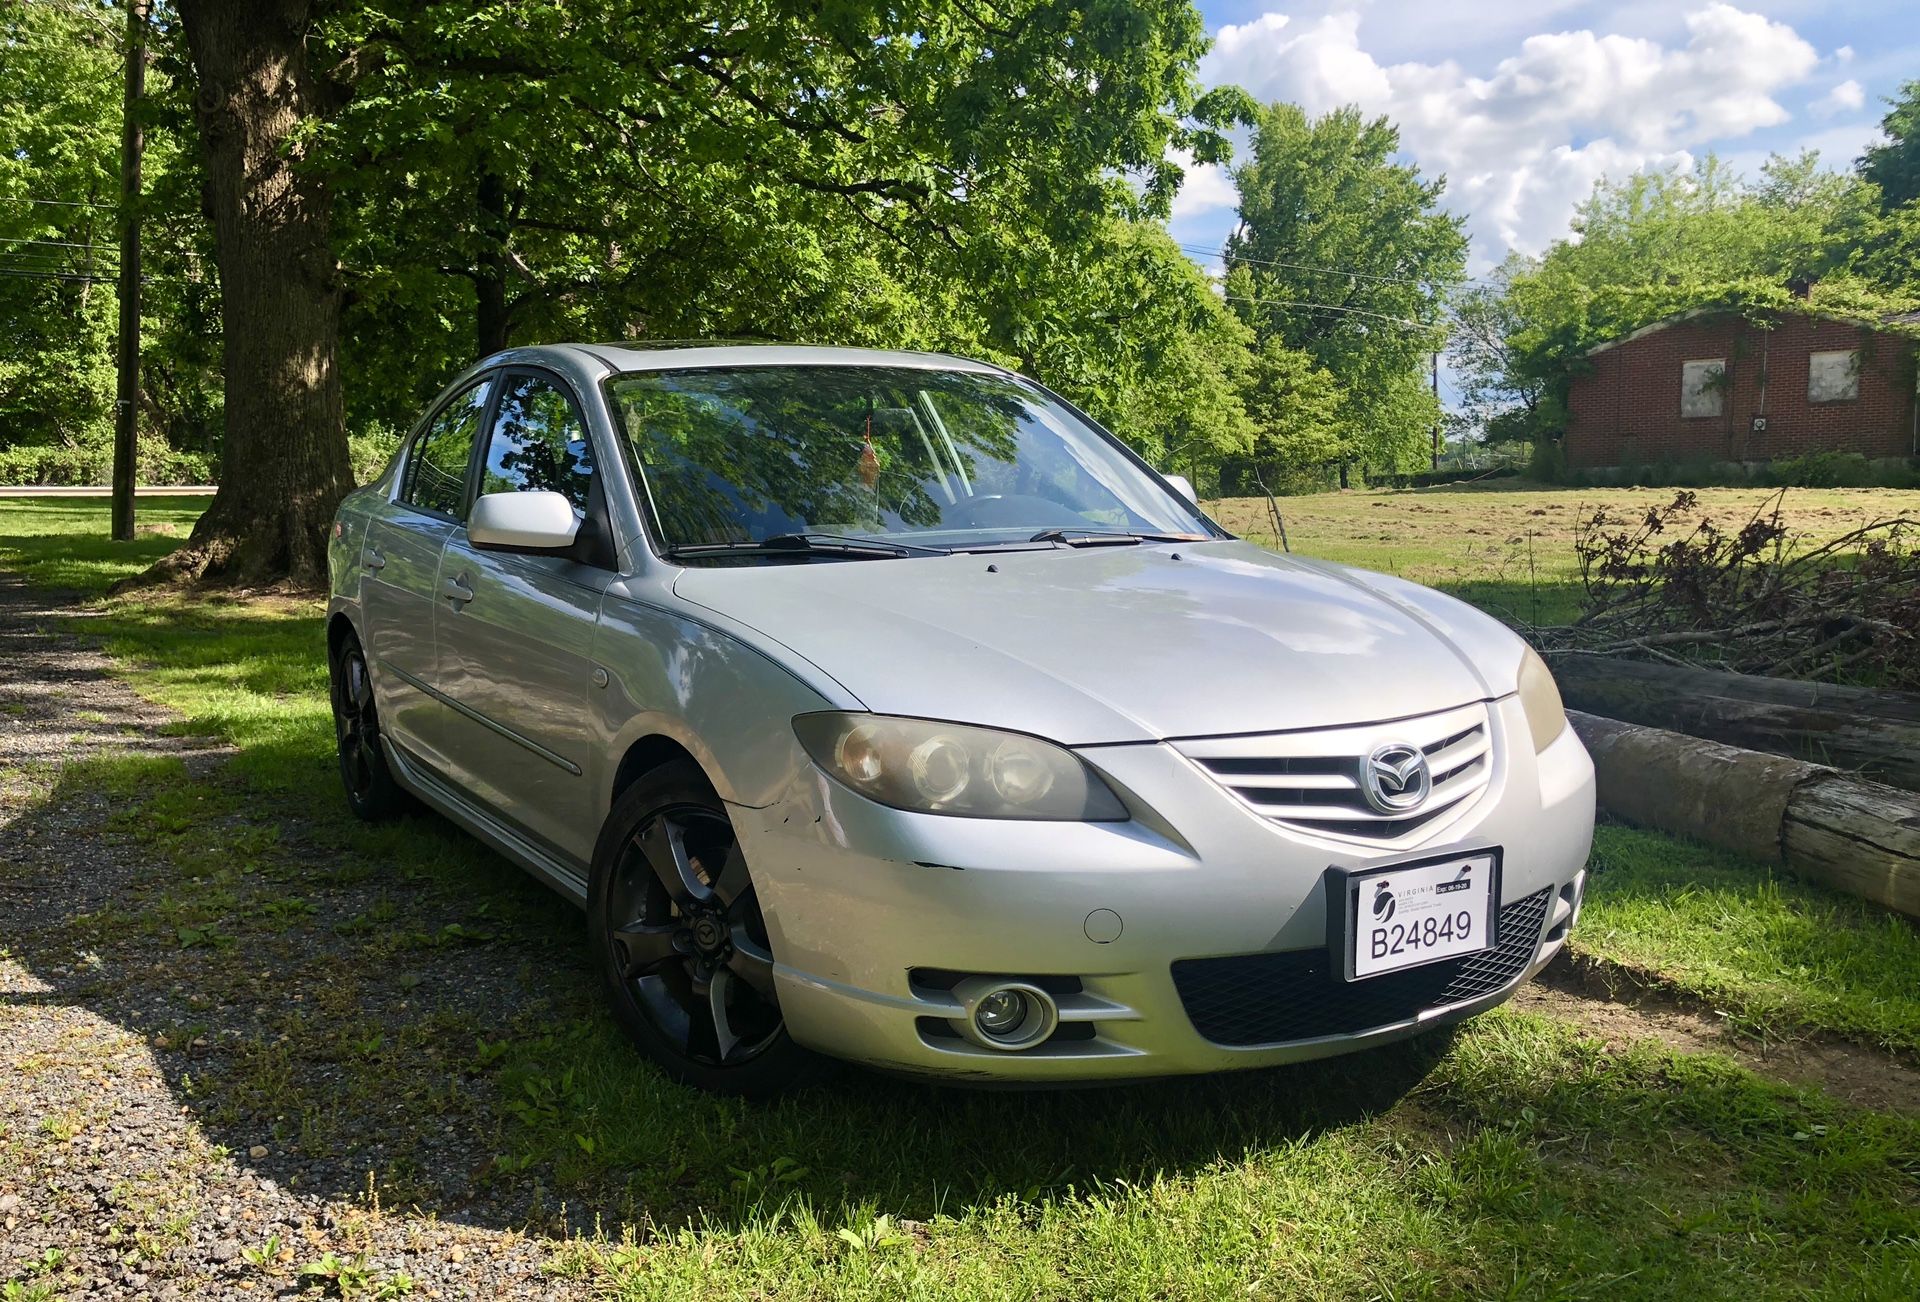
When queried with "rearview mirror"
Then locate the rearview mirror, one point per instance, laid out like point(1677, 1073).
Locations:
point(1180, 485)
point(522, 521)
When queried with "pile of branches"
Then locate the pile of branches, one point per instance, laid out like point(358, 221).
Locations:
point(1672, 586)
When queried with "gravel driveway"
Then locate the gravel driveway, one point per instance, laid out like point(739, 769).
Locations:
point(177, 1116)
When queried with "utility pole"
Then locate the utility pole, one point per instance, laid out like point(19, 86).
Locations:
point(126, 406)
point(1436, 399)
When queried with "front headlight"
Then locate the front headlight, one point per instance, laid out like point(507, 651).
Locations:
point(1540, 699)
point(948, 768)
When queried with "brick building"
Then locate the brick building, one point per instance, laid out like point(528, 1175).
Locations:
point(1713, 386)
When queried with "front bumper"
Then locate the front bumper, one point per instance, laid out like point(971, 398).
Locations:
point(863, 902)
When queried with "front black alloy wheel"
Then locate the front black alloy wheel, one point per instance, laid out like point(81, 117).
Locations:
point(372, 791)
point(680, 939)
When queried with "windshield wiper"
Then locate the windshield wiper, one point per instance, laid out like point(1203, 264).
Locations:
point(809, 544)
point(1107, 537)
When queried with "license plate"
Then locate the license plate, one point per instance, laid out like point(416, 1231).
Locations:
point(1409, 914)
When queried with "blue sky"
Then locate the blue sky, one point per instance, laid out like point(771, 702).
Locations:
point(1524, 103)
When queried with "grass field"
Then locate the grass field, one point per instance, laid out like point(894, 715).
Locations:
point(1519, 1159)
point(1510, 548)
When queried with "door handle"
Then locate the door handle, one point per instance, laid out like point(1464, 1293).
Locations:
point(372, 560)
point(456, 590)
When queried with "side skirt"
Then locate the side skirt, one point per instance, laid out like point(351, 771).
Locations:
point(455, 807)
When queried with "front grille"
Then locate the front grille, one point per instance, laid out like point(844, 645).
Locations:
point(1311, 780)
point(1298, 995)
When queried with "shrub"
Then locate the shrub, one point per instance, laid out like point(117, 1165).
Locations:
point(1826, 469)
point(92, 464)
point(370, 450)
point(1548, 462)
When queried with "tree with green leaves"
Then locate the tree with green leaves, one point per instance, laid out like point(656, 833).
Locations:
point(59, 159)
point(1894, 164)
point(1343, 254)
point(1295, 407)
point(1128, 327)
point(1504, 397)
point(558, 166)
point(60, 117)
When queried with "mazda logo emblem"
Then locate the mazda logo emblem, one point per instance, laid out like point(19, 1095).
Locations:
point(1395, 778)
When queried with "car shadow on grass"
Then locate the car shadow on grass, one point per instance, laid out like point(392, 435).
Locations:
point(396, 1012)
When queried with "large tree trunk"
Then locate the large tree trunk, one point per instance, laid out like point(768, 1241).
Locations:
point(284, 466)
point(491, 317)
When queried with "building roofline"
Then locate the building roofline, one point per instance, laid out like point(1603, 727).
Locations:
point(1895, 323)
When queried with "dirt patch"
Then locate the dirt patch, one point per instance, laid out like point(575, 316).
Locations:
point(1619, 1007)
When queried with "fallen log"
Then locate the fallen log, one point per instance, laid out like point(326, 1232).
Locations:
point(1857, 837)
point(1823, 825)
point(1874, 733)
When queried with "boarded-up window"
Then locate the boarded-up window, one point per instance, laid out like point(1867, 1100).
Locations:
point(1703, 387)
point(1833, 377)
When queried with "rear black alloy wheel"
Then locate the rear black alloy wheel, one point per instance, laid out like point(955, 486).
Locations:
point(682, 943)
point(371, 790)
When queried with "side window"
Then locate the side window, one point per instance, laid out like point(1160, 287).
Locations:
point(437, 468)
point(538, 444)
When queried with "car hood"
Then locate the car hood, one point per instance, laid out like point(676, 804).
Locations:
point(1115, 644)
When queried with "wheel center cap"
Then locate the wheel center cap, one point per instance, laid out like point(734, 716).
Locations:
point(708, 933)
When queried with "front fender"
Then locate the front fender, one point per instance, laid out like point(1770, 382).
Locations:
point(725, 700)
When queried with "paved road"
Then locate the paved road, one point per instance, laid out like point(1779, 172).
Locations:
point(94, 490)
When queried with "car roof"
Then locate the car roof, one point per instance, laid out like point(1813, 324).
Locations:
point(689, 354)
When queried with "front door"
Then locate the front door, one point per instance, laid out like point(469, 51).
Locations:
point(516, 631)
point(400, 568)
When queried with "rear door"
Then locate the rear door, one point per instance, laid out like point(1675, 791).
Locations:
point(400, 562)
point(516, 629)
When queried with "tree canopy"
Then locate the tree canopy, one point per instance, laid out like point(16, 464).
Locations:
point(1894, 164)
point(1344, 254)
point(958, 176)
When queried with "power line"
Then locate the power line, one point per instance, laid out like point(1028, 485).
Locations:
point(1221, 255)
point(12, 273)
point(54, 203)
point(28, 256)
point(1333, 307)
point(110, 248)
point(59, 244)
point(55, 47)
point(23, 272)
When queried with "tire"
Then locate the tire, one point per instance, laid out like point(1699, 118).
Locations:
point(679, 939)
point(372, 792)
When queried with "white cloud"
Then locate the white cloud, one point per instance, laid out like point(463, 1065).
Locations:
point(1844, 98)
point(1524, 143)
point(1205, 188)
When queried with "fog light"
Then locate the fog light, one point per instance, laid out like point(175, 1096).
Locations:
point(1002, 1014)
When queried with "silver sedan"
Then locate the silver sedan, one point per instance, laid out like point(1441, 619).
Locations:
point(882, 706)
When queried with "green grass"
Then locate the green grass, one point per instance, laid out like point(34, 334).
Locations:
point(63, 542)
point(1516, 1160)
point(1772, 951)
point(1508, 545)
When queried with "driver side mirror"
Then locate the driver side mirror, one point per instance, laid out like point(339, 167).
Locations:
point(533, 521)
point(1180, 485)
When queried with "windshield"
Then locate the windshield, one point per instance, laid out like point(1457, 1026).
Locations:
point(948, 459)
